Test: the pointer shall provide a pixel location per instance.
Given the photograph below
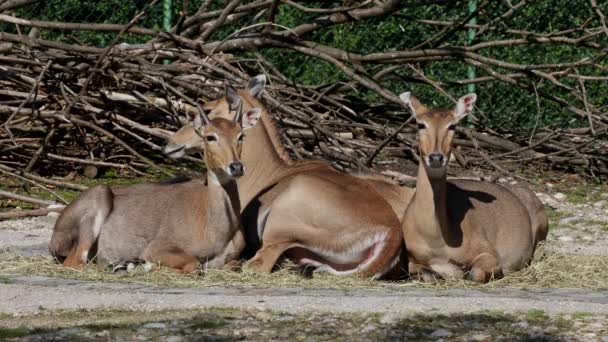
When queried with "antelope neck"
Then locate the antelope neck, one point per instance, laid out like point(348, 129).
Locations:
point(223, 208)
point(431, 202)
point(262, 158)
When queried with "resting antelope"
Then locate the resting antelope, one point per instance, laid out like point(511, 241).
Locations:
point(178, 225)
point(462, 226)
point(307, 210)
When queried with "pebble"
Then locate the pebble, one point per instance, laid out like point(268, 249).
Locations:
point(174, 339)
point(560, 196)
point(368, 328)
point(565, 238)
point(156, 325)
point(481, 337)
point(567, 220)
point(52, 214)
point(588, 238)
point(390, 318)
point(441, 333)
point(522, 324)
point(103, 333)
point(600, 204)
point(263, 316)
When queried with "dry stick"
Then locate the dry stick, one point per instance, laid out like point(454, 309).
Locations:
point(24, 198)
point(219, 21)
point(33, 90)
point(14, 4)
point(29, 213)
point(586, 103)
point(600, 16)
point(75, 26)
point(325, 10)
point(120, 142)
point(272, 11)
point(372, 156)
point(86, 161)
point(60, 198)
point(40, 150)
point(62, 184)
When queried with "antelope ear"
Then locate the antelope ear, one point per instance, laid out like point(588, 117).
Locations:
point(256, 85)
point(465, 105)
point(416, 107)
point(251, 118)
point(233, 98)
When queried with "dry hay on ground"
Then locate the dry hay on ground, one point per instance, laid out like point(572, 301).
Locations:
point(548, 270)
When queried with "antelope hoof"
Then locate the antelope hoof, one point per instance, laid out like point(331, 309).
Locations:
point(254, 265)
point(481, 276)
point(233, 265)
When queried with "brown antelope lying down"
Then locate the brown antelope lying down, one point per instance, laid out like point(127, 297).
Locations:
point(457, 226)
point(307, 211)
point(178, 225)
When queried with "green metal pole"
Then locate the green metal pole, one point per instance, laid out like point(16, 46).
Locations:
point(167, 14)
point(470, 37)
point(167, 19)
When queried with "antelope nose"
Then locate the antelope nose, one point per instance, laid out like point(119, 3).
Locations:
point(236, 169)
point(436, 160)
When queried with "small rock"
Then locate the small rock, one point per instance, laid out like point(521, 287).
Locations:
point(90, 171)
point(560, 196)
point(567, 220)
point(440, 333)
point(263, 316)
point(103, 333)
point(53, 214)
point(604, 195)
point(605, 339)
point(390, 318)
point(566, 238)
point(522, 324)
point(589, 336)
point(587, 238)
point(174, 339)
point(155, 325)
point(368, 328)
point(148, 266)
point(130, 267)
point(481, 337)
point(600, 204)
point(549, 185)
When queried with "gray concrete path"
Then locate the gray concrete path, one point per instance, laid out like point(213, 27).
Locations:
point(25, 294)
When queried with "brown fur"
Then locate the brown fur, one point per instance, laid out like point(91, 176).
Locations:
point(178, 225)
point(458, 226)
point(289, 194)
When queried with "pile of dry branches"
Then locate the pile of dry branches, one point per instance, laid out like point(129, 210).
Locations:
point(66, 106)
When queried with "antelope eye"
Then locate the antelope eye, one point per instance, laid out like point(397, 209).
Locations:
point(452, 127)
point(210, 138)
point(421, 126)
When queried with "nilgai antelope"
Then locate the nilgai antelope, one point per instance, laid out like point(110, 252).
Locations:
point(178, 225)
point(308, 211)
point(462, 227)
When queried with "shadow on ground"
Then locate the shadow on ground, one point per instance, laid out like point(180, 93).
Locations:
point(226, 325)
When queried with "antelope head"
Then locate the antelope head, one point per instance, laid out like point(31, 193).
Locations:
point(436, 131)
point(222, 141)
point(186, 140)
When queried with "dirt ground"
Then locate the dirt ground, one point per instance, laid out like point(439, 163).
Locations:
point(35, 307)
